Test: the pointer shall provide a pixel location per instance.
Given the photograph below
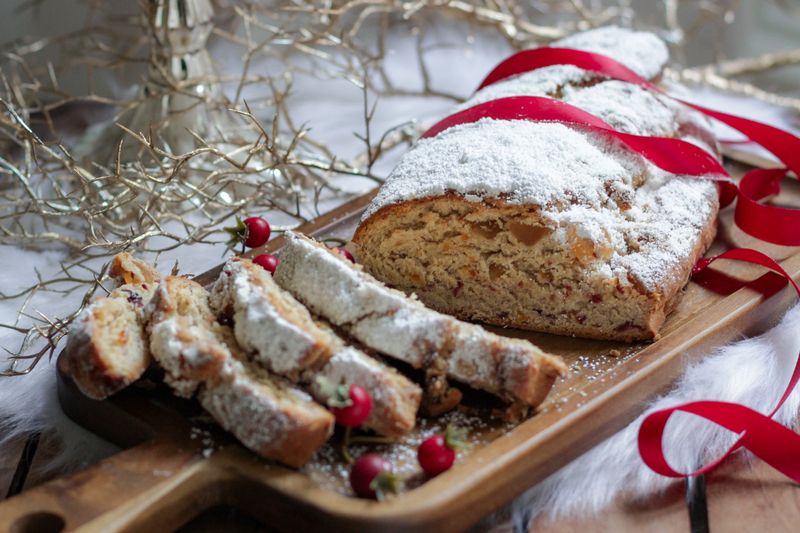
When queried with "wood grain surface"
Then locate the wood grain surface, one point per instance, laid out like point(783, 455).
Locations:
point(167, 475)
point(742, 496)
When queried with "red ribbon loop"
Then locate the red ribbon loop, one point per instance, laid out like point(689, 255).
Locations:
point(770, 223)
point(767, 439)
point(775, 444)
point(759, 220)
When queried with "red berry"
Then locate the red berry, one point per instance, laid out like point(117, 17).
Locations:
point(371, 477)
point(435, 456)
point(258, 231)
point(346, 253)
point(268, 261)
point(358, 411)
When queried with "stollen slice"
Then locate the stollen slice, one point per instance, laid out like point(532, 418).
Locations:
point(107, 349)
point(280, 335)
point(200, 356)
point(278, 332)
point(389, 322)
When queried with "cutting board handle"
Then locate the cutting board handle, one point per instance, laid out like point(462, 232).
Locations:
point(120, 493)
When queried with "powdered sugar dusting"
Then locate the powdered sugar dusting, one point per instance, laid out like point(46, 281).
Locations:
point(546, 81)
point(625, 107)
point(642, 52)
point(643, 221)
point(526, 162)
point(395, 399)
point(254, 409)
point(279, 343)
point(262, 411)
point(666, 225)
point(175, 355)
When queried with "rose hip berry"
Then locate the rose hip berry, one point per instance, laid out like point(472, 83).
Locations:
point(268, 261)
point(437, 454)
point(345, 253)
point(371, 477)
point(257, 233)
point(252, 232)
point(351, 405)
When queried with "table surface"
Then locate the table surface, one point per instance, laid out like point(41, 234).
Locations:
point(743, 494)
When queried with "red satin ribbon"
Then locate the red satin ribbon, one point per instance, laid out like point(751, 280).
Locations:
point(756, 219)
point(772, 442)
point(767, 439)
point(673, 155)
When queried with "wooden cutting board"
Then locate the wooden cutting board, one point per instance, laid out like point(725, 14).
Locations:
point(175, 464)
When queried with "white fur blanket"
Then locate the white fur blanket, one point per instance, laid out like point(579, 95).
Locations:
point(753, 372)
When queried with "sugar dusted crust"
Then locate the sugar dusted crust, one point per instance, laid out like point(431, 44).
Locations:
point(545, 227)
point(389, 322)
point(640, 51)
point(266, 414)
point(268, 323)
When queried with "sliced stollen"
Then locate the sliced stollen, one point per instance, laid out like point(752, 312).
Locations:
point(107, 350)
point(269, 324)
point(274, 329)
point(185, 338)
point(267, 414)
point(398, 326)
point(543, 226)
